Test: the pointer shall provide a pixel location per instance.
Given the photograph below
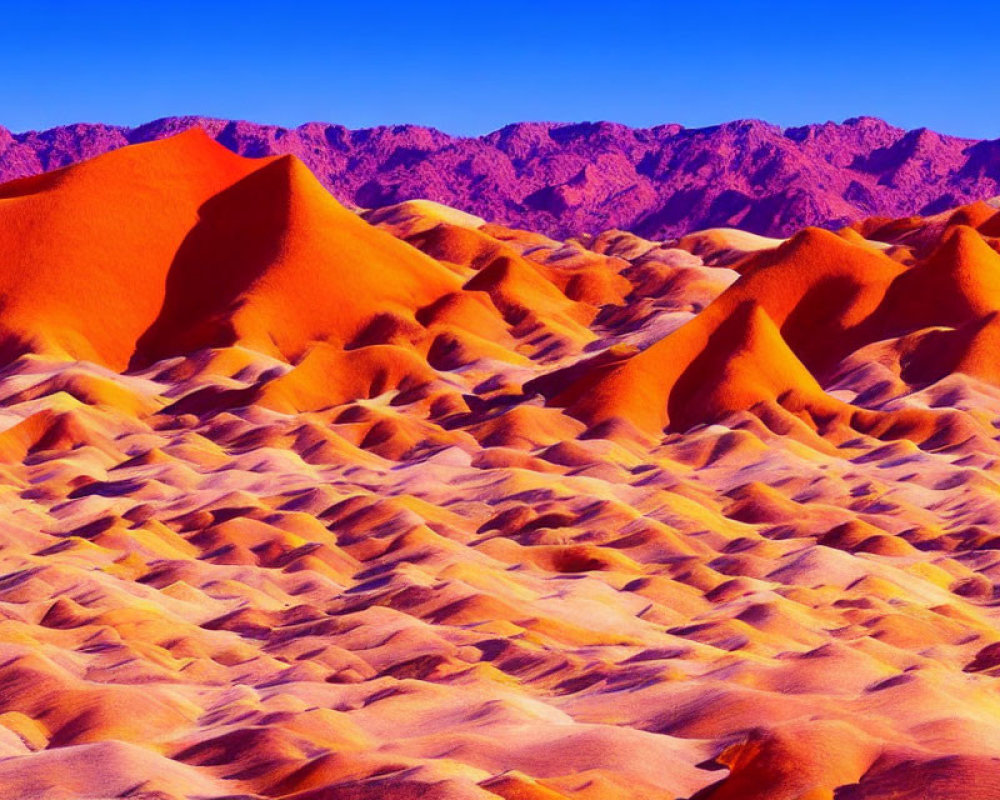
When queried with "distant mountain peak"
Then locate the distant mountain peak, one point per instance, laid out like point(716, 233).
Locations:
point(659, 182)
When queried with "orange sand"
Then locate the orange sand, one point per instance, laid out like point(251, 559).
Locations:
point(298, 504)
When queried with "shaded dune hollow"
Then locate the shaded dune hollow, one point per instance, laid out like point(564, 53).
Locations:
point(314, 503)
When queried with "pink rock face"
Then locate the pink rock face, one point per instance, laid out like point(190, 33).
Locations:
point(564, 179)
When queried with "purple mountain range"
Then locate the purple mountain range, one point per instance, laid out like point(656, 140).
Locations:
point(563, 179)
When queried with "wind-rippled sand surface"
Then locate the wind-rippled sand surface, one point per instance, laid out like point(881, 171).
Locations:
point(296, 504)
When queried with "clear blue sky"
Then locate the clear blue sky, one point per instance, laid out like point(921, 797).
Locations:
point(469, 67)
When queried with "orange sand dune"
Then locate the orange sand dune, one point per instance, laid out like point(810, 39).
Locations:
point(958, 282)
point(170, 246)
point(712, 366)
point(827, 298)
point(328, 377)
point(276, 263)
point(85, 251)
point(299, 504)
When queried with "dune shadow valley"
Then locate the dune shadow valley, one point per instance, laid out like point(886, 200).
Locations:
point(386, 465)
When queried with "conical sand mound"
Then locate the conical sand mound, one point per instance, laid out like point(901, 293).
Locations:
point(820, 290)
point(712, 366)
point(276, 263)
point(163, 248)
point(796, 308)
point(745, 362)
point(959, 282)
point(85, 251)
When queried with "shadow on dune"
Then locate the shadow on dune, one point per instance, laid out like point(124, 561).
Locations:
point(238, 236)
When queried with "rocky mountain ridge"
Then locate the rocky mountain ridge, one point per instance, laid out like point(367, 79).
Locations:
point(565, 179)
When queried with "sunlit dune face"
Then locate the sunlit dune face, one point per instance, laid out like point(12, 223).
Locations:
point(305, 504)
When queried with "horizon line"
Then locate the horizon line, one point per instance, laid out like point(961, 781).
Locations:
point(784, 129)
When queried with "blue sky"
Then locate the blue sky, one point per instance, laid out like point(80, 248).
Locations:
point(468, 68)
